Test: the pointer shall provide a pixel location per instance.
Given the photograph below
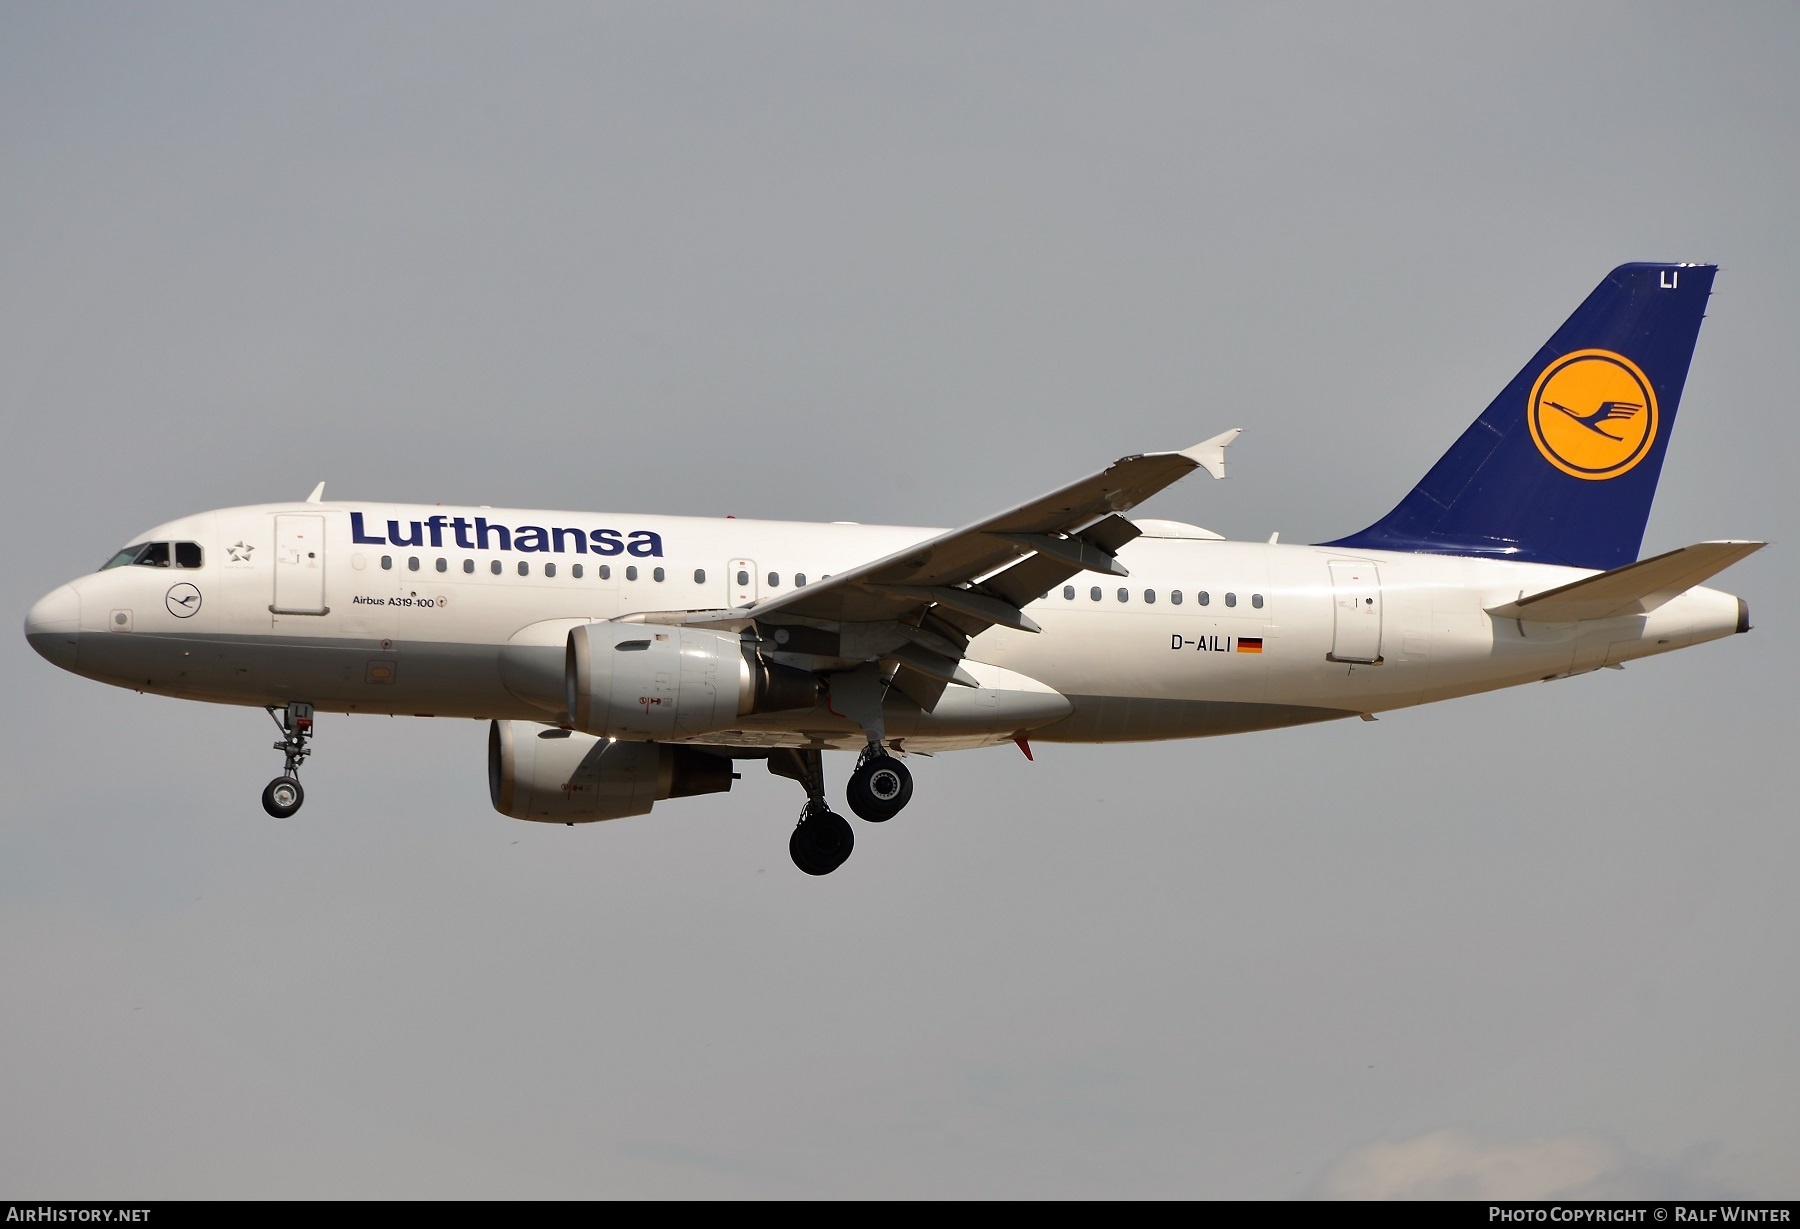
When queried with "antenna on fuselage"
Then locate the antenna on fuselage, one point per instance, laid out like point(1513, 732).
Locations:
point(317, 495)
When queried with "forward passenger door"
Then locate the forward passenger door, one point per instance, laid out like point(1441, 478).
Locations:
point(299, 565)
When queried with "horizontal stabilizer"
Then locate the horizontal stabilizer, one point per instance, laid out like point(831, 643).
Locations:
point(1636, 588)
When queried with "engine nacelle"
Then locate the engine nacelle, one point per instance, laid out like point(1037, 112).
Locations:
point(645, 681)
point(564, 777)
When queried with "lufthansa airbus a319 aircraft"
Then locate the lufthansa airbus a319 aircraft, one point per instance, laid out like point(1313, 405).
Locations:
point(624, 659)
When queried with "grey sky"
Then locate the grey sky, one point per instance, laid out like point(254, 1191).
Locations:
point(898, 263)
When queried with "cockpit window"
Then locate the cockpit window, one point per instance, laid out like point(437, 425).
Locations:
point(157, 555)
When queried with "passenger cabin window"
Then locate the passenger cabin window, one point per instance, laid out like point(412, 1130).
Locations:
point(1205, 598)
point(699, 576)
point(387, 563)
point(1124, 595)
point(1094, 593)
point(524, 568)
point(1231, 599)
point(468, 567)
point(799, 580)
point(743, 578)
point(443, 565)
point(575, 570)
point(631, 571)
point(412, 563)
point(493, 567)
point(549, 569)
point(1069, 593)
point(1149, 596)
point(606, 571)
point(774, 580)
point(658, 575)
point(1256, 600)
point(1175, 597)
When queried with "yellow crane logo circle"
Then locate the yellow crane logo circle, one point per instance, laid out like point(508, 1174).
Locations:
point(1592, 414)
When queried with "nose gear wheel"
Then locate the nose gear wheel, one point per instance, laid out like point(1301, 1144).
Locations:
point(282, 797)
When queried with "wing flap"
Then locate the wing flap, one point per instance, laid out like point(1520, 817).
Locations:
point(1636, 588)
point(1028, 580)
point(921, 689)
point(1077, 552)
point(963, 601)
point(1111, 533)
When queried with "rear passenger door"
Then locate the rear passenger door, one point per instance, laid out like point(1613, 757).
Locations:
point(1356, 611)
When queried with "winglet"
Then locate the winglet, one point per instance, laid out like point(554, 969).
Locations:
point(1209, 455)
point(317, 495)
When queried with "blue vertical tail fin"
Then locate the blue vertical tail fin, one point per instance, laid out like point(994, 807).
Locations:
point(1562, 467)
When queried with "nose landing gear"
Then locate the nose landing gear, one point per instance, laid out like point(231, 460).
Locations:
point(283, 796)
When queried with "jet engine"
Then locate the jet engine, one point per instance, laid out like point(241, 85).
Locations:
point(564, 777)
point(643, 681)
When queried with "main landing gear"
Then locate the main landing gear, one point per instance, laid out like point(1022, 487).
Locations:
point(283, 796)
point(821, 842)
point(879, 787)
point(822, 839)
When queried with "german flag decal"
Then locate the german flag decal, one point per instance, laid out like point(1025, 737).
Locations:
point(1249, 644)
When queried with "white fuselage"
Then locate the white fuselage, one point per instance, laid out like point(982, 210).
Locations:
point(437, 615)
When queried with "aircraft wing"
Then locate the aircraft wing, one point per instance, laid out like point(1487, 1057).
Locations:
point(917, 609)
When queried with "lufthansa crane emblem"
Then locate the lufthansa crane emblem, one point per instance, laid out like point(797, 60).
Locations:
point(1593, 414)
point(183, 600)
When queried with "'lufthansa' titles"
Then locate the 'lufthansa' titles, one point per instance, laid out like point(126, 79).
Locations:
point(479, 533)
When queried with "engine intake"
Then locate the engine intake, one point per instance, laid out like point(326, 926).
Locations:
point(640, 681)
point(564, 777)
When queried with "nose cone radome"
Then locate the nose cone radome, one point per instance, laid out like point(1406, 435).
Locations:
point(53, 625)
